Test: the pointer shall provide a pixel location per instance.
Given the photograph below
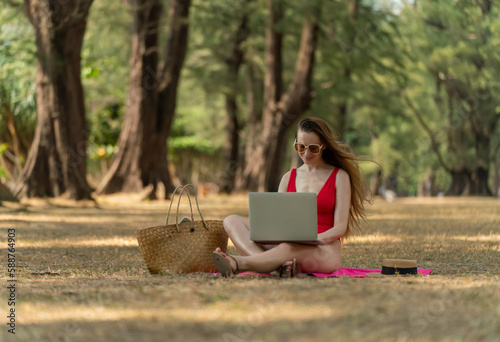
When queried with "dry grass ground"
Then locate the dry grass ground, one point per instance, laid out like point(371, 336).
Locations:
point(81, 278)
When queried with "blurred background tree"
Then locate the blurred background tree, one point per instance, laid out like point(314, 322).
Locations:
point(141, 160)
point(410, 84)
point(454, 91)
point(17, 93)
point(56, 163)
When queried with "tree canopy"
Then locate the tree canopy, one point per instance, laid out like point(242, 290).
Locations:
point(412, 85)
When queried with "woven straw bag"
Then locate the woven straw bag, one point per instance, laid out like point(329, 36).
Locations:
point(182, 247)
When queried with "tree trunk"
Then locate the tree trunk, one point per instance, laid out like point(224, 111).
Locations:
point(5, 193)
point(479, 182)
point(255, 173)
point(496, 173)
point(376, 183)
point(472, 118)
point(376, 179)
point(142, 158)
point(342, 119)
point(231, 148)
point(128, 172)
point(264, 164)
point(426, 188)
point(56, 163)
point(481, 169)
point(342, 107)
point(254, 123)
point(460, 183)
point(496, 179)
point(391, 182)
point(171, 67)
point(468, 177)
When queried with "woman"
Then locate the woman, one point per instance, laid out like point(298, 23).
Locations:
point(332, 172)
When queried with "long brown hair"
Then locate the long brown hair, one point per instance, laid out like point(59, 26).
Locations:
point(340, 155)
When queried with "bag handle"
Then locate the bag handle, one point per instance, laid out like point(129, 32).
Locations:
point(184, 189)
point(191, 207)
point(172, 201)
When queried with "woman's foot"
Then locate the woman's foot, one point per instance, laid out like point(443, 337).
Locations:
point(287, 270)
point(226, 264)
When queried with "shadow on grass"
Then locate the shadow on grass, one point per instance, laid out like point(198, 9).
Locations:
point(350, 327)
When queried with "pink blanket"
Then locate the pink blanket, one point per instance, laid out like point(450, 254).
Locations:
point(347, 272)
point(359, 272)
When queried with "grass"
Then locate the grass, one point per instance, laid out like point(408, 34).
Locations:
point(82, 278)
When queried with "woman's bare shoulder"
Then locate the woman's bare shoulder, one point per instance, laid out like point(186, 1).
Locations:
point(343, 178)
point(284, 181)
point(342, 174)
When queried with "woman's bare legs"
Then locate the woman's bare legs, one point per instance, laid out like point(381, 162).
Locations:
point(239, 231)
point(321, 259)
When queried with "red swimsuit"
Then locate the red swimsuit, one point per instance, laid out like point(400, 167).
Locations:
point(325, 198)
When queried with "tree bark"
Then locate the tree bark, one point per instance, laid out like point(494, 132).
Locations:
point(496, 173)
point(173, 60)
point(342, 107)
point(481, 169)
point(231, 148)
point(376, 183)
point(142, 158)
point(479, 182)
point(264, 164)
point(496, 179)
point(254, 175)
point(5, 193)
point(56, 163)
point(460, 183)
point(426, 188)
point(472, 119)
point(484, 128)
point(255, 107)
point(469, 177)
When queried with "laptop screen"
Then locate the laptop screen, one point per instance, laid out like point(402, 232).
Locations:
point(283, 216)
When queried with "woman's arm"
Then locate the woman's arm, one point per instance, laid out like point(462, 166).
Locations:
point(342, 205)
point(284, 182)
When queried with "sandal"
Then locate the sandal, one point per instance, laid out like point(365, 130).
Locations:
point(283, 270)
point(223, 264)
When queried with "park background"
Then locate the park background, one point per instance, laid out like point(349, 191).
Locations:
point(105, 106)
point(132, 96)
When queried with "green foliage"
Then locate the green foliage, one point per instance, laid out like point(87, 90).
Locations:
point(360, 71)
point(105, 68)
point(367, 63)
point(454, 70)
point(17, 81)
point(105, 125)
point(183, 138)
point(191, 143)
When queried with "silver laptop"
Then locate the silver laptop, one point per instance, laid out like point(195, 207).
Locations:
point(277, 217)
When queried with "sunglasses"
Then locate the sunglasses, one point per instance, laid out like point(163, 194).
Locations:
point(313, 148)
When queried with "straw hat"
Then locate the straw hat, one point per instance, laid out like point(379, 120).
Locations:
point(399, 266)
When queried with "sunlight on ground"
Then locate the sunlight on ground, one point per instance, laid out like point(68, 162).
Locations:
point(64, 219)
point(120, 241)
point(373, 238)
point(82, 267)
point(117, 241)
point(491, 237)
point(220, 312)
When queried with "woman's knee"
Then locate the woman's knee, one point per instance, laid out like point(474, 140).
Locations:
point(312, 264)
point(231, 222)
point(323, 260)
point(289, 248)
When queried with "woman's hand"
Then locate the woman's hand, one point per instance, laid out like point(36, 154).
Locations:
point(327, 237)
